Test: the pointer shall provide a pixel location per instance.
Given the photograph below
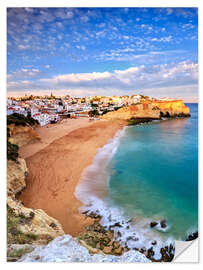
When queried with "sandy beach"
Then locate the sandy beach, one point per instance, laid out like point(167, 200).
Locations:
point(51, 132)
point(56, 163)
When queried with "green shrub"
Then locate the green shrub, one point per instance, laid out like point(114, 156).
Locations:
point(12, 151)
point(93, 113)
point(14, 235)
point(21, 120)
point(137, 121)
point(105, 111)
point(117, 108)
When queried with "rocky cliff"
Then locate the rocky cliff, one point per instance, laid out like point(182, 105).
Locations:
point(25, 225)
point(22, 135)
point(174, 108)
point(150, 110)
point(69, 249)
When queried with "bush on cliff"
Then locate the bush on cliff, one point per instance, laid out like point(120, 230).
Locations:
point(117, 108)
point(105, 111)
point(137, 121)
point(12, 151)
point(14, 235)
point(93, 113)
point(21, 120)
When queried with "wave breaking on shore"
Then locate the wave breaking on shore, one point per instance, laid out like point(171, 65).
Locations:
point(134, 233)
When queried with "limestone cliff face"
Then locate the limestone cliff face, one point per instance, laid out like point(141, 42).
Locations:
point(173, 108)
point(134, 111)
point(16, 173)
point(22, 135)
point(150, 109)
point(35, 222)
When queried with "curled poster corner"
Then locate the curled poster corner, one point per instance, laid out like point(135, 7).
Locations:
point(186, 251)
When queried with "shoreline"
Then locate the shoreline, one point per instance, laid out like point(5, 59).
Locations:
point(90, 215)
point(132, 233)
point(55, 169)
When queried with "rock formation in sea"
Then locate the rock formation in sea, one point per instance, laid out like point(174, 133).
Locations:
point(192, 236)
point(150, 109)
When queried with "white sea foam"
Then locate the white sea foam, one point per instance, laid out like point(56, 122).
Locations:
point(134, 233)
point(95, 178)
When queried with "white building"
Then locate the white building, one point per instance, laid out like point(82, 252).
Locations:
point(16, 109)
point(43, 118)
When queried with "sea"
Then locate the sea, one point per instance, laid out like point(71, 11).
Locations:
point(146, 173)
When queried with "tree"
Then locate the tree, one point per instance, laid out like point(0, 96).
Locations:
point(105, 111)
point(93, 113)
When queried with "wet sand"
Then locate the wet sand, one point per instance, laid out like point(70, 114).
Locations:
point(55, 166)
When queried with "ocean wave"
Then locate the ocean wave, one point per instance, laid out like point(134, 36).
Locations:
point(135, 233)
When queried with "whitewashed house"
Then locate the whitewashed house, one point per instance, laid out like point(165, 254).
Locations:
point(43, 118)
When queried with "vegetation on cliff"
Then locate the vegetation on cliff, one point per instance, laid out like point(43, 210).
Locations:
point(17, 120)
point(96, 239)
point(25, 227)
point(93, 113)
point(14, 235)
point(12, 149)
point(137, 121)
point(21, 120)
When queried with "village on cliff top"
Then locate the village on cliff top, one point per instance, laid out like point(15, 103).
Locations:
point(50, 109)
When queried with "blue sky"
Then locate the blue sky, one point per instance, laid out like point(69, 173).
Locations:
point(103, 51)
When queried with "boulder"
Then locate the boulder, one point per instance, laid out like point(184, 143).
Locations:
point(163, 223)
point(192, 236)
point(153, 224)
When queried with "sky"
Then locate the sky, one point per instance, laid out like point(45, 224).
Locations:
point(103, 51)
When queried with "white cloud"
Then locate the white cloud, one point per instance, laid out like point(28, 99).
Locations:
point(84, 19)
point(101, 25)
point(23, 47)
point(100, 34)
point(69, 14)
point(24, 73)
point(169, 11)
point(163, 39)
point(188, 26)
point(77, 78)
point(161, 78)
point(81, 47)
point(30, 10)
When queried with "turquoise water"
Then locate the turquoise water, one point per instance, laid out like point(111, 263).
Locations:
point(154, 173)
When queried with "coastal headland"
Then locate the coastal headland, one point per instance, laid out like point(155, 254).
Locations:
point(150, 109)
point(56, 161)
point(55, 170)
point(56, 156)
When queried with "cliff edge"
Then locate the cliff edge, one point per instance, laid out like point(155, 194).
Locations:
point(25, 227)
point(22, 135)
point(31, 221)
point(150, 109)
